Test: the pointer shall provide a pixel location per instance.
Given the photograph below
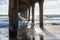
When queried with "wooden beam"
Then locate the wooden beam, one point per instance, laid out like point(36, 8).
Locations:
point(13, 19)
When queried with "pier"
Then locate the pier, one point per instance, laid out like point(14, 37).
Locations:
point(21, 6)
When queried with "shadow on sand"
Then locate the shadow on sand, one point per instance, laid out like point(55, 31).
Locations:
point(48, 34)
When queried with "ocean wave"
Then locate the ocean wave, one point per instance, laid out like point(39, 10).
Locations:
point(4, 20)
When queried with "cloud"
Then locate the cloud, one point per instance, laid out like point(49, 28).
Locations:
point(3, 6)
point(50, 0)
point(3, 10)
point(3, 2)
point(52, 7)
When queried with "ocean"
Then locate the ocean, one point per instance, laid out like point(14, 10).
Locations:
point(4, 24)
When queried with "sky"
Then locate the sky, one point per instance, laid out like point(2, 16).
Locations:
point(4, 7)
point(50, 7)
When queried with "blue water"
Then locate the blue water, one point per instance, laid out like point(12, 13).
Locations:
point(4, 24)
point(4, 20)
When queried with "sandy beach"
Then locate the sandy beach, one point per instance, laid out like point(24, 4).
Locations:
point(51, 32)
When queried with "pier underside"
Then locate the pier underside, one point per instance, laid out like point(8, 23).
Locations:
point(21, 6)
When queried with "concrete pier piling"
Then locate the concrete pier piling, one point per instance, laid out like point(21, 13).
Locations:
point(33, 6)
point(41, 14)
point(13, 19)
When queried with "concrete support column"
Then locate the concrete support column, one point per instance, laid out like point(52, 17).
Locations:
point(33, 6)
point(41, 14)
point(41, 18)
point(28, 14)
point(13, 19)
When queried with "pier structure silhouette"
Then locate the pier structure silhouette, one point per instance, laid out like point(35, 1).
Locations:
point(22, 6)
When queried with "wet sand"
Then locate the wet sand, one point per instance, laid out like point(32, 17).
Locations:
point(51, 32)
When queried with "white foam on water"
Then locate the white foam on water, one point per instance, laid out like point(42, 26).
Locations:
point(4, 34)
